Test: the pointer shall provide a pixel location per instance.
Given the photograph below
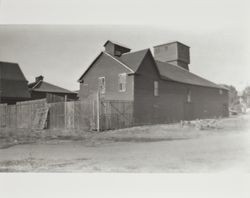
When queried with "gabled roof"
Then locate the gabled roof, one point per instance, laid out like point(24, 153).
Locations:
point(13, 83)
point(134, 59)
point(178, 74)
point(130, 61)
point(43, 86)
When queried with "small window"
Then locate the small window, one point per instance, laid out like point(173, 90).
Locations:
point(122, 82)
point(118, 53)
point(221, 91)
point(189, 96)
point(101, 83)
point(156, 88)
point(157, 50)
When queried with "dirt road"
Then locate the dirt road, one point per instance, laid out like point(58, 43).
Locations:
point(161, 149)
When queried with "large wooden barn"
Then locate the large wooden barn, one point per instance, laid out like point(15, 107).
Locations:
point(13, 84)
point(161, 86)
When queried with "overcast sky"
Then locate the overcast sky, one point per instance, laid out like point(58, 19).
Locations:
point(217, 32)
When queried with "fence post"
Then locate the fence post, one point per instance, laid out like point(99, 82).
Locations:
point(65, 115)
point(98, 112)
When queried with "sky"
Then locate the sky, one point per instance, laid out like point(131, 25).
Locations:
point(59, 39)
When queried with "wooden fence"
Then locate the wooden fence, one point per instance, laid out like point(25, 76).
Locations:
point(71, 115)
point(20, 115)
point(92, 114)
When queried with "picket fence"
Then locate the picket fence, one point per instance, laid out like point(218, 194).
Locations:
point(87, 115)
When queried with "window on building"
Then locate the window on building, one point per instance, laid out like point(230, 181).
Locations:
point(157, 50)
point(118, 53)
point(156, 88)
point(189, 96)
point(101, 83)
point(122, 82)
point(221, 91)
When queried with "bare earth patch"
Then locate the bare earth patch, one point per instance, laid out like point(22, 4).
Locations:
point(158, 148)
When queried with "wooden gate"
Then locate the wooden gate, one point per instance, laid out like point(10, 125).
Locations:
point(115, 114)
point(78, 115)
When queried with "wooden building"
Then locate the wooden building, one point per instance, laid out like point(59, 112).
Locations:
point(161, 86)
point(41, 89)
point(13, 84)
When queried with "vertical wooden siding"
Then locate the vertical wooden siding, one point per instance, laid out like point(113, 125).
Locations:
point(3, 113)
point(116, 114)
point(74, 115)
point(20, 115)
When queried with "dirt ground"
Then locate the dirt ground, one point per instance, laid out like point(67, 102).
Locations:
point(159, 148)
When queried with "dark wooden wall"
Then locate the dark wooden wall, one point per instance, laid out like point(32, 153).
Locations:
point(171, 105)
point(110, 69)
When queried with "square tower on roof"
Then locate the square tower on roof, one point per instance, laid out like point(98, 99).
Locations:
point(175, 53)
point(115, 48)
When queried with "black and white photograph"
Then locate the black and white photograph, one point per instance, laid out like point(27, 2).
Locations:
point(125, 88)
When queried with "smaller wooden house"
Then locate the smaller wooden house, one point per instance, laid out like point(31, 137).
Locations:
point(13, 84)
point(41, 89)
